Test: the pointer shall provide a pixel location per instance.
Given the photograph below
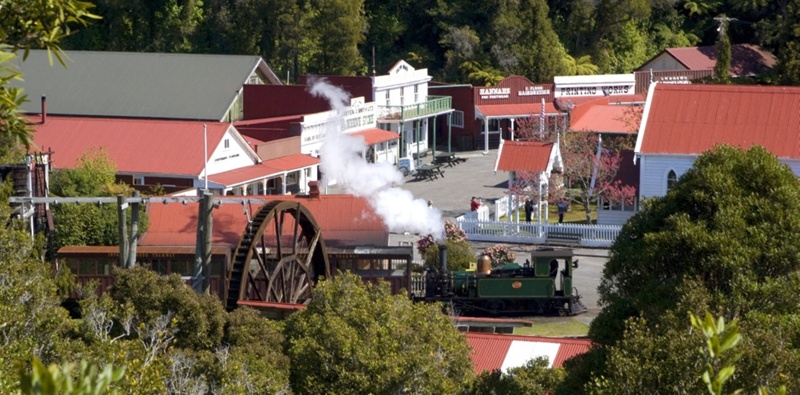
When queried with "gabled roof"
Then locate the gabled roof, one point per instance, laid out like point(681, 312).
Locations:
point(746, 59)
point(691, 119)
point(531, 156)
point(501, 352)
point(137, 84)
point(135, 145)
point(345, 220)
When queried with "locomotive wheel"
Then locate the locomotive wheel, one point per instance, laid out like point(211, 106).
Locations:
point(279, 258)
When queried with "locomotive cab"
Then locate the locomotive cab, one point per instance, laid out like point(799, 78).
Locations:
point(556, 264)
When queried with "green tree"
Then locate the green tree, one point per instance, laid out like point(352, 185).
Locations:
point(722, 68)
point(357, 338)
point(535, 377)
point(724, 239)
point(88, 224)
point(58, 380)
point(32, 322)
point(24, 26)
point(459, 251)
point(336, 27)
point(539, 53)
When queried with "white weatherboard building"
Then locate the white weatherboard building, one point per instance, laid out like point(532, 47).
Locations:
point(405, 107)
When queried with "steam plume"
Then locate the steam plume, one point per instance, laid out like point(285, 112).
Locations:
point(377, 182)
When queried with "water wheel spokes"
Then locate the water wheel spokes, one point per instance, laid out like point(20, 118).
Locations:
point(282, 260)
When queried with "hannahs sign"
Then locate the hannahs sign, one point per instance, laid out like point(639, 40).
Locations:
point(494, 93)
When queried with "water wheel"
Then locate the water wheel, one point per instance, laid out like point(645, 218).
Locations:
point(279, 258)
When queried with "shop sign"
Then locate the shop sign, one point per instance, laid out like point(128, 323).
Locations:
point(536, 90)
point(494, 93)
point(605, 90)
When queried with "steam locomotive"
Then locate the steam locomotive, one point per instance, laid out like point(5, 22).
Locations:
point(540, 286)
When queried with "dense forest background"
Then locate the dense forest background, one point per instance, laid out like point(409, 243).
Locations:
point(459, 41)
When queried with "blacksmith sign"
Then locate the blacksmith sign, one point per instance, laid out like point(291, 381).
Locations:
point(595, 85)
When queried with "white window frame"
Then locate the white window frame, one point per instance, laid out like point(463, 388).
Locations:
point(457, 119)
point(226, 143)
point(138, 180)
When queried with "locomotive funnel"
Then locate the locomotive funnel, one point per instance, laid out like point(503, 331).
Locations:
point(443, 258)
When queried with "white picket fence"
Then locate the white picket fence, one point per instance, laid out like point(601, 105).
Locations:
point(535, 233)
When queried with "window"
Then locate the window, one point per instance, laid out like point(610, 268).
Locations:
point(138, 180)
point(457, 119)
point(226, 143)
point(494, 125)
point(386, 96)
point(416, 93)
point(672, 178)
point(292, 178)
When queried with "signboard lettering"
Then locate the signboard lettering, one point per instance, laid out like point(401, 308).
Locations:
point(606, 90)
point(494, 93)
point(533, 91)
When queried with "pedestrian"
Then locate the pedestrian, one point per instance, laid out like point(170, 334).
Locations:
point(528, 209)
point(562, 208)
point(474, 204)
point(430, 203)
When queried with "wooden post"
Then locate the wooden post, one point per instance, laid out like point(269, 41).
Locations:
point(134, 232)
point(123, 230)
point(202, 255)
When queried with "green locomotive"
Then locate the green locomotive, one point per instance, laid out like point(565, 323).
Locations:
point(542, 285)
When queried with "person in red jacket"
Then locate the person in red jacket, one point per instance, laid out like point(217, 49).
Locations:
point(474, 204)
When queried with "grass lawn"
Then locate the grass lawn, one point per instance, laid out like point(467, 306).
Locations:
point(561, 327)
point(575, 214)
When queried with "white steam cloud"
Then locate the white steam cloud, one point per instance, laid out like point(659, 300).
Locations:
point(340, 159)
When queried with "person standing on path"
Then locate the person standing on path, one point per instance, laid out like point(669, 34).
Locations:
point(474, 204)
point(528, 209)
point(562, 208)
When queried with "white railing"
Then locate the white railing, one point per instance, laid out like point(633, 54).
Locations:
point(534, 232)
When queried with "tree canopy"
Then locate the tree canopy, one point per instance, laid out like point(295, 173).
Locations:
point(725, 239)
point(460, 41)
point(357, 338)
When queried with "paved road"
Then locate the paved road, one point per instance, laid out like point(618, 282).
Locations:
point(451, 194)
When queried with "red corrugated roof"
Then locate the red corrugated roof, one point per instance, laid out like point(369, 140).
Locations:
point(292, 162)
point(523, 156)
point(746, 59)
point(691, 119)
point(523, 110)
point(374, 135)
point(135, 145)
point(601, 118)
point(490, 350)
point(244, 174)
point(344, 219)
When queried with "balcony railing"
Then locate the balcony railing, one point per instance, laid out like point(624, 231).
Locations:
point(431, 106)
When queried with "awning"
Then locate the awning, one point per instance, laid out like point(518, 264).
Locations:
point(266, 169)
point(524, 110)
point(374, 136)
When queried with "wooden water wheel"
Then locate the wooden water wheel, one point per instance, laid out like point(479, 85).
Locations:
point(279, 258)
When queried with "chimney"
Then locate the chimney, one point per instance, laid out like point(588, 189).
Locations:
point(313, 189)
point(44, 109)
point(443, 257)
